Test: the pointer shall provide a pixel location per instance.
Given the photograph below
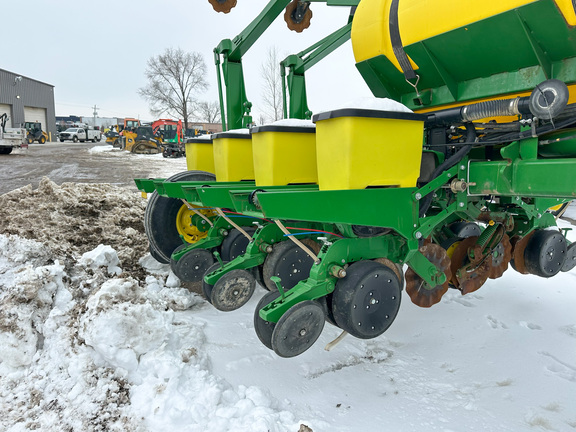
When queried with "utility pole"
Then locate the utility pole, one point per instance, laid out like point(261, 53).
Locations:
point(95, 114)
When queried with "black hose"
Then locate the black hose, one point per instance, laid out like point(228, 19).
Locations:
point(426, 201)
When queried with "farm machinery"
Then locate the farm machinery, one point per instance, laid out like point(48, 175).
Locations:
point(457, 175)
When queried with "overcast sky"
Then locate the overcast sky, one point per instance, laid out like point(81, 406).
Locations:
point(96, 52)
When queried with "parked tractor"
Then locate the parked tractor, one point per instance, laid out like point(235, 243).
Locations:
point(454, 173)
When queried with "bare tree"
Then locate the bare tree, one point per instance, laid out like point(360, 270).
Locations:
point(208, 112)
point(174, 79)
point(272, 85)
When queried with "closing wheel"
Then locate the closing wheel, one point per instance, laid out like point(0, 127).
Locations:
point(288, 262)
point(501, 256)
point(233, 290)
point(224, 6)
point(464, 229)
point(206, 287)
point(162, 227)
point(235, 243)
point(570, 262)
point(298, 15)
point(468, 276)
point(192, 265)
point(366, 301)
point(263, 328)
point(298, 329)
point(545, 253)
point(419, 291)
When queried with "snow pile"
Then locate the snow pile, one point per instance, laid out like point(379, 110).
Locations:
point(102, 256)
point(293, 123)
point(371, 103)
point(103, 149)
point(86, 351)
point(243, 131)
point(74, 218)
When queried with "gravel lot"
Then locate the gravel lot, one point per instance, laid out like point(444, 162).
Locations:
point(81, 163)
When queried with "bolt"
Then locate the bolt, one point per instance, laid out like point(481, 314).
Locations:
point(461, 204)
point(418, 235)
point(418, 196)
point(462, 167)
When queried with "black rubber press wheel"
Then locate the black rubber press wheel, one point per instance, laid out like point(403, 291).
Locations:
point(545, 253)
point(192, 265)
point(233, 290)
point(263, 328)
point(235, 243)
point(367, 300)
point(298, 329)
point(288, 262)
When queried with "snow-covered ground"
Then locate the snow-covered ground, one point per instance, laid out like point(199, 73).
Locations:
point(98, 336)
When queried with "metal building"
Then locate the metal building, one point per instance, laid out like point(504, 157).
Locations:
point(27, 100)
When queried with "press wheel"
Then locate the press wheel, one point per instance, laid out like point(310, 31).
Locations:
point(298, 15)
point(235, 243)
point(233, 290)
point(288, 262)
point(366, 301)
point(501, 256)
point(419, 291)
point(192, 265)
point(298, 329)
point(545, 253)
point(224, 6)
point(570, 262)
point(263, 328)
point(206, 287)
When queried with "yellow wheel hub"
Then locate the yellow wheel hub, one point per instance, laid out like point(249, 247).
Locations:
point(186, 226)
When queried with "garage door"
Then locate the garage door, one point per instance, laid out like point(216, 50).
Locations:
point(8, 110)
point(32, 114)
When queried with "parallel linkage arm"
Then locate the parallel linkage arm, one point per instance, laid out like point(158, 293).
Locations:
point(235, 107)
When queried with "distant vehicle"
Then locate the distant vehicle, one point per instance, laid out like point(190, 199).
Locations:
point(34, 132)
point(10, 138)
point(80, 134)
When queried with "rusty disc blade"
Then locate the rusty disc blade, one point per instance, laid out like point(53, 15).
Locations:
point(419, 291)
point(469, 276)
point(501, 256)
point(397, 269)
point(313, 245)
point(518, 247)
point(224, 6)
point(293, 24)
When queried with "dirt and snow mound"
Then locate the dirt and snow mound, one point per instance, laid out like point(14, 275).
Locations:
point(75, 218)
point(83, 349)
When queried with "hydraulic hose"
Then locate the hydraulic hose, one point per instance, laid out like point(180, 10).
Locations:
point(480, 110)
point(449, 163)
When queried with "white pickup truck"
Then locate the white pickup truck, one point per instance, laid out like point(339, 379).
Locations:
point(80, 134)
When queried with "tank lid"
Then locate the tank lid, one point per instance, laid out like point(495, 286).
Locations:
point(366, 113)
